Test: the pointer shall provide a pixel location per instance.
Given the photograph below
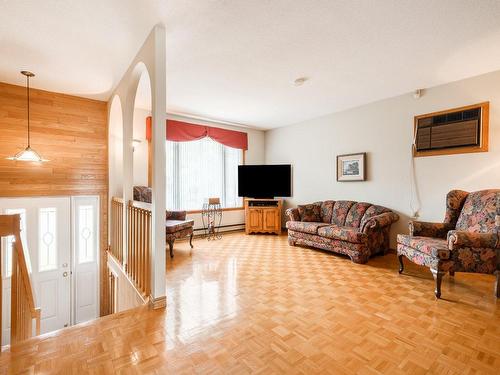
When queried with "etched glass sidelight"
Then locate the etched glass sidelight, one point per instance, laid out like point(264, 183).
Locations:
point(47, 239)
point(86, 235)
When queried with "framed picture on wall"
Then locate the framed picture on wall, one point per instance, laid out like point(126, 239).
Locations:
point(351, 167)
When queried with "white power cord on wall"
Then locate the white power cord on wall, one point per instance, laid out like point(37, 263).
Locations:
point(414, 199)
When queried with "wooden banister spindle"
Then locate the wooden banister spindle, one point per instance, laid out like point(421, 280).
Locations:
point(22, 303)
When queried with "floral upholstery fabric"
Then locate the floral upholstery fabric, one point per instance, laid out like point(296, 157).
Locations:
point(436, 247)
point(423, 259)
point(457, 239)
point(470, 246)
point(177, 225)
point(175, 215)
point(143, 194)
point(479, 211)
point(310, 212)
point(292, 214)
point(472, 259)
point(171, 237)
point(304, 226)
point(373, 210)
point(327, 211)
point(425, 229)
point(348, 234)
point(359, 243)
point(355, 214)
point(379, 221)
point(357, 252)
point(454, 201)
point(340, 211)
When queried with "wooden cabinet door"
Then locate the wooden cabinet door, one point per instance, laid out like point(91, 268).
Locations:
point(270, 219)
point(254, 220)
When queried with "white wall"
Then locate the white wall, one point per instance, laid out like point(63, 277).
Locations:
point(141, 148)
point(384, 130)
point(254, 155)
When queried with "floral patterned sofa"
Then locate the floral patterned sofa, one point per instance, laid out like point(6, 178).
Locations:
point(176, 225)
point(467, 240)
point(356, 229)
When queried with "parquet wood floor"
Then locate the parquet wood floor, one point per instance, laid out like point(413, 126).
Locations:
point(254, 305)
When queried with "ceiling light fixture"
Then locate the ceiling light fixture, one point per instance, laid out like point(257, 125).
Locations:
point(28, 154)
point(300, 81)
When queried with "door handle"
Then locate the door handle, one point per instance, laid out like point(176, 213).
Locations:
point(65, 274)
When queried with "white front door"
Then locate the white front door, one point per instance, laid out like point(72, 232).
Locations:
point(47, 238)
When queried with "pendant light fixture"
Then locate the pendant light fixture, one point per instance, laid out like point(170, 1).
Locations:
point(28, 154)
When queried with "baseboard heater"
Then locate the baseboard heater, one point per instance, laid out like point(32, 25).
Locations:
point(222, 227)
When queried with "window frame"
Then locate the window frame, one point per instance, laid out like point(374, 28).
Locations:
point(484, 132)
point(150, 180)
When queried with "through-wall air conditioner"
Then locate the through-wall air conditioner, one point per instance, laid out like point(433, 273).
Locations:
point(459, 130)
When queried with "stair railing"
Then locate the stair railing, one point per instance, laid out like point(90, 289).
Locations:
point(23, 310)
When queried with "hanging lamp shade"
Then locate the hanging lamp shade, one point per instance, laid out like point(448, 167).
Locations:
point(28, 154)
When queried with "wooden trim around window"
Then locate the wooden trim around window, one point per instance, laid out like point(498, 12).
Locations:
point(483, 143)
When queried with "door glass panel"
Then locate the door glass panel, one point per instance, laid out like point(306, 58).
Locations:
point(9, 241)
point(47, 239)
point(86, 235)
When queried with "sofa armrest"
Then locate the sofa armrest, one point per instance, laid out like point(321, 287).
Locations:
point(175, 215)
point(425, 229)
point(458, 239)
point(380, 221)
point(292, 214)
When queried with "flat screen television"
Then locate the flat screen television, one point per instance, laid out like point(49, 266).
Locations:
point(265, 181)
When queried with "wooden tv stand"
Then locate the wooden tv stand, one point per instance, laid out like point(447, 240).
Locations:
point(263, 215)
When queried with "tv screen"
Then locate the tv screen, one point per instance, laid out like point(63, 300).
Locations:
point(265, 181)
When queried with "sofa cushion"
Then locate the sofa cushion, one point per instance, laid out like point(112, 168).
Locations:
point(340, 211)
point(327, 211)
point(348, 234)
point(172, 226)
point(355, 214)
point(478, 212)
point(436, 247)
point(310, 212)
point(305, 227)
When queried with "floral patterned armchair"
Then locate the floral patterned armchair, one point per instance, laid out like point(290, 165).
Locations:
point(467, 240)
point(176, 225)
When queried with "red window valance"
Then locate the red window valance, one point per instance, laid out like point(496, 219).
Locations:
point(179, 131)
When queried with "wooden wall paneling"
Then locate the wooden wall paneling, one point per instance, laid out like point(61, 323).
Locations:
point(71, 132)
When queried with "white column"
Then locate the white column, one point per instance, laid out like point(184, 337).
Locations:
point(159, 113)
point(128, 167)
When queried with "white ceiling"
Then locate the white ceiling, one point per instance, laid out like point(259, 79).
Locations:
point(236, 60)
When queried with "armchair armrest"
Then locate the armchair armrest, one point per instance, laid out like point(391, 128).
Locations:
point(458, 239)
point(175, 215)
point(425, 229)
point(292, 214)
point(380, 221)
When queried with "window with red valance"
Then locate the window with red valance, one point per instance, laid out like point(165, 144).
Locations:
point(179, 131)
point(202, 162)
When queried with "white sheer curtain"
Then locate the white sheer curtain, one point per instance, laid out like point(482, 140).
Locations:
point(201, 169)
